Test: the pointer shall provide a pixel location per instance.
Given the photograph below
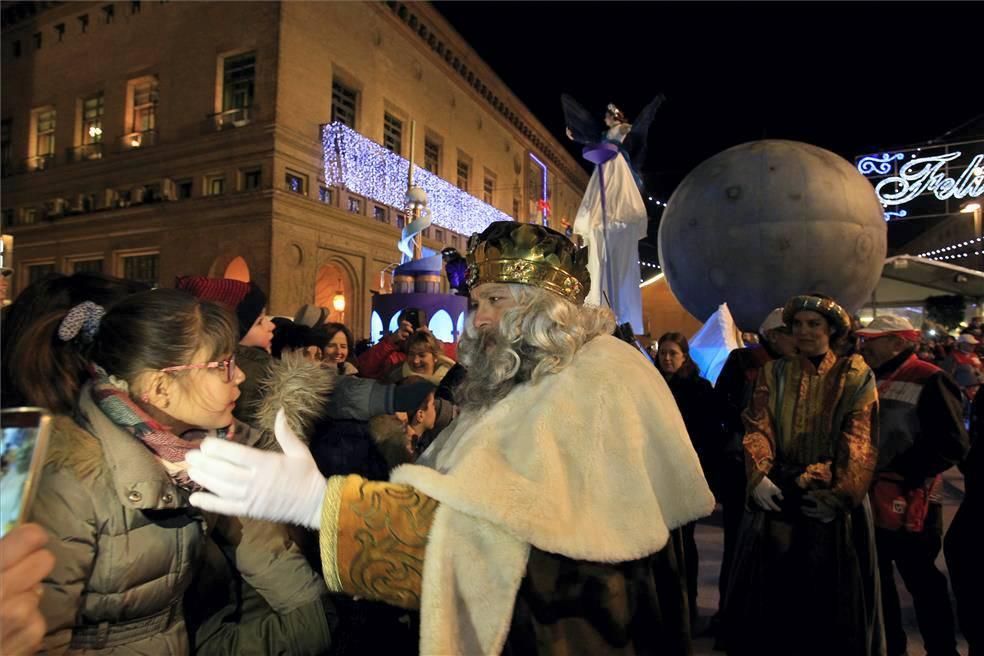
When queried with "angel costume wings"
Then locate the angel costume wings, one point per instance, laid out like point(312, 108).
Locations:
point(613, 260)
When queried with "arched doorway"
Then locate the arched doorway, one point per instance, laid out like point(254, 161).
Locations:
point(334, 292)
point(237, 269)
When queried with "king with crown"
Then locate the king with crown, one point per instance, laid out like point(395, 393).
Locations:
point(541, 521)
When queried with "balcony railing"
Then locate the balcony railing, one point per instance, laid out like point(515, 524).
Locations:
point(138, 139)
point(40, 163)
point(236, 117)
point(86, 152)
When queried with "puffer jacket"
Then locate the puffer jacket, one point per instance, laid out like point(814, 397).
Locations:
point(128, 546)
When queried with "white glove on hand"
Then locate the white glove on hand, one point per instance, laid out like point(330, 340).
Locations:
point(247, 482)
point(764, 492)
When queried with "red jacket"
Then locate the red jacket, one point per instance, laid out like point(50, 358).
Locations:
point(385, 355)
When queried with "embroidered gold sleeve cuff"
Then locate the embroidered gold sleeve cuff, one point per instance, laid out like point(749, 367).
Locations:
point(373, 539)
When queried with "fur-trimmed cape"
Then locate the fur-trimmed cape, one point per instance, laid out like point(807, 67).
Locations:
point(592, 463)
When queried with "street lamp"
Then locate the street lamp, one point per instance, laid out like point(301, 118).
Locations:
point(338, 301)
point(974, 207)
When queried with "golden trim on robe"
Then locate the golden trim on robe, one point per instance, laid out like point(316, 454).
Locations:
point(373, 545)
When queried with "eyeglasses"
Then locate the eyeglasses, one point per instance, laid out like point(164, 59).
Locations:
point(227, 366)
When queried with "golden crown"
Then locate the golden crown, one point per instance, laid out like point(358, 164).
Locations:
point(529, 254)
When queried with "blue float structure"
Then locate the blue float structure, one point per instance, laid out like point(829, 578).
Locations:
point(417, 281)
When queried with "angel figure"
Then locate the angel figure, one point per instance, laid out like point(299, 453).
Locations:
point(613, 259)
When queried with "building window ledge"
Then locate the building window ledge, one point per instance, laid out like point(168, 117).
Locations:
point(232, 118)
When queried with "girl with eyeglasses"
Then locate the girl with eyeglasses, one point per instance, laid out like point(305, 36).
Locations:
point(138, 568)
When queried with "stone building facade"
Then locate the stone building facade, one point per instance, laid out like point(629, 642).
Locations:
point(158, 139)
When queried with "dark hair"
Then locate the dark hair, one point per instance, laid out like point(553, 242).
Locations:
point(145, 331)
point(281, 329)
point(55, 293)
point(424, 337)
point(290, 336)
point(361, 347)
point(689, 367)
point(328, 332)
point(422, 384)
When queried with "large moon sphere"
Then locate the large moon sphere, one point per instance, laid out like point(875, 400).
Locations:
point(764, 221)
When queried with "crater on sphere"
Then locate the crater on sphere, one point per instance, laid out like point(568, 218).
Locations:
point(864, 245)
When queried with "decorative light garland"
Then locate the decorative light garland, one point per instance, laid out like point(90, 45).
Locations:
point(956, 256)
point(951, 247)
point(366, 168)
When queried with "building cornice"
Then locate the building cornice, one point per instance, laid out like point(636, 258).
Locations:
point(437, 36)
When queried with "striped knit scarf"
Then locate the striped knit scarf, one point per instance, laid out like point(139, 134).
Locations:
point(170, 449)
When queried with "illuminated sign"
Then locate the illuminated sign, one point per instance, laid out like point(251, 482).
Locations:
point(928, 181)
point(880, 164)
point(924, 174)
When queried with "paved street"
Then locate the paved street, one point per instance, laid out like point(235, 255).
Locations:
point(710, 544)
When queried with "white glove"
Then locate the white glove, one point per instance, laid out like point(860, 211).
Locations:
point(764, 492)
point(246, 482)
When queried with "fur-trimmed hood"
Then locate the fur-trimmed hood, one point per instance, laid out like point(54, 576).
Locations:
point(301, 387)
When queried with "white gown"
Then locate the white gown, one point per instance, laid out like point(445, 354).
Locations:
point(627, 223)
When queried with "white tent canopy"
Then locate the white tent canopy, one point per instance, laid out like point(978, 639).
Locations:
point(907, 281)
point(907, 278)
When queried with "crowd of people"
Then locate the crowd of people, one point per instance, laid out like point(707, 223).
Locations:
point(222, 481)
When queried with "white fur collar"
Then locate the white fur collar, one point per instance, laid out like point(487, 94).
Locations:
point(592, 463)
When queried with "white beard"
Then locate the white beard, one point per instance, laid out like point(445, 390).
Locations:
point(493, 366)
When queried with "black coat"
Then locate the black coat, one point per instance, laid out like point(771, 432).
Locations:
point(699, 406)
point(345, 446)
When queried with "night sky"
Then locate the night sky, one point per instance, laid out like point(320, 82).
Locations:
point(851, 77)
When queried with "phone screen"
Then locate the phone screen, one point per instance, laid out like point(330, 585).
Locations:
point(25, 438)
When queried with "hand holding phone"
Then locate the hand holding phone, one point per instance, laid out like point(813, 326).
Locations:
point(23, 565)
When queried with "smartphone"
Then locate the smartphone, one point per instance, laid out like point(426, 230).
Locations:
point(415, 316)
point(22, 453)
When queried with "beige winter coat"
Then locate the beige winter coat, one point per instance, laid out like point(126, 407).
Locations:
point(128, 546)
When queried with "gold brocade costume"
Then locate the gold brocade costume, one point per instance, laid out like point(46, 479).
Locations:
point(801, 415)
point(813, 431)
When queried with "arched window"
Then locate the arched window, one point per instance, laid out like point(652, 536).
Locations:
point(442, 327)
point(237, 270)
point(461, 325)
point(375, 327)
